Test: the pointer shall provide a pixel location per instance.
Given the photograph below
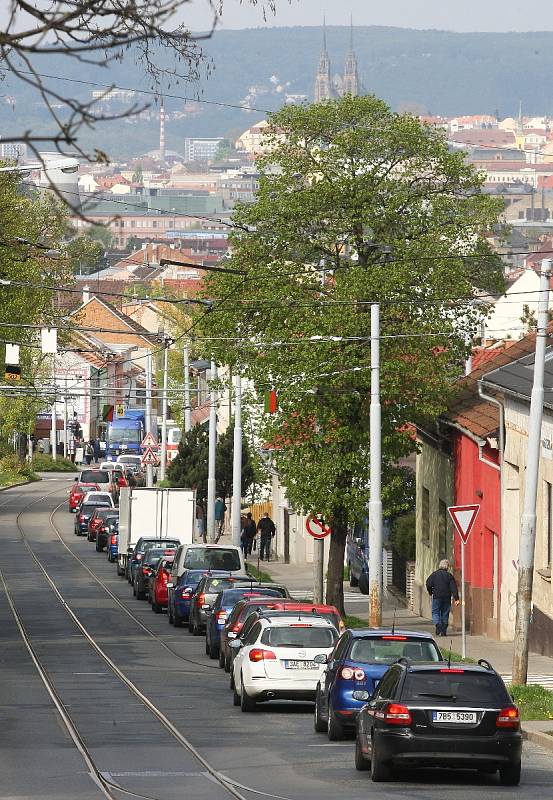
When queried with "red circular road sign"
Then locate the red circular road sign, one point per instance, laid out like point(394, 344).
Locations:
point(316, 527)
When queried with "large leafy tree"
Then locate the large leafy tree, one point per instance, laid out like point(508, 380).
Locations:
point(356, 205)
point(31, 259)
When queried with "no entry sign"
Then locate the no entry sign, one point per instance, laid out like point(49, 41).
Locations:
point(316, 526)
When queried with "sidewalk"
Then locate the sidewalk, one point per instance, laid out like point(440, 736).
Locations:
point(499, 654)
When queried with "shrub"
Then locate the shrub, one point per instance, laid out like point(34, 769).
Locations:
point(44, 463)
point(403, 536)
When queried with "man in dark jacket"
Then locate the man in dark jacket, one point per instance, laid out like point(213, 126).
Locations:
point(267, 529)
point(442, 588)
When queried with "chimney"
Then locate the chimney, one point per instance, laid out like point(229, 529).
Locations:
point(86, 294)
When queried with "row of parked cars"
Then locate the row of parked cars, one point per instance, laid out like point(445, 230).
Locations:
point(394, 691)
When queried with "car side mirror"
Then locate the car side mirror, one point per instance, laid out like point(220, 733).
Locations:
point(321, 658)
point(236, 644)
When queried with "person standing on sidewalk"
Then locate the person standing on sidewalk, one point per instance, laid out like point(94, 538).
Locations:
point(266, 528)
point(442, 587)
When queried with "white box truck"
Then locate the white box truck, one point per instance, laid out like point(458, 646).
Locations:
point(163, 513)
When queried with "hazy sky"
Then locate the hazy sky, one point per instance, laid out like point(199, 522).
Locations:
point(457, 15)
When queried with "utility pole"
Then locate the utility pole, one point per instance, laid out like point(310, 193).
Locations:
point(237, 463)
point(528, 519)
point(149, 468)
point(65, 448)
point(375, 503)
point(164, 411)
point(53, 421)
point(211, 488)
point(187, 410)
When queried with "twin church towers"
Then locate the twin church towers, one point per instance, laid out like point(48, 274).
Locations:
point(327, 86)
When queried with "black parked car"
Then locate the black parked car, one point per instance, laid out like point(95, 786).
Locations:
point(145, 569)
point(109, 525)
point(457, 716)
point(84, 513)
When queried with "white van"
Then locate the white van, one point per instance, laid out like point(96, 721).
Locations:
point(208, 556)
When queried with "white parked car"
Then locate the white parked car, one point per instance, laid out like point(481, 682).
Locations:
point(132, 460)
point(282, 658)
point(110, 466)
point(91, 497)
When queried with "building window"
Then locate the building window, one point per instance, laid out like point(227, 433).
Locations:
point(548, 523)
point(425, 514)
point(442, 530)
point(154, 224)
point(133, 223)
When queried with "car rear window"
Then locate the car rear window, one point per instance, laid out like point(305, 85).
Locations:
point(212, 558)
point(232, 596)
point(154, 555)
point(147, 544)
point(455, 688)
point(94, 476)
point(380, 650)
point(300, 635)
point(218, 584)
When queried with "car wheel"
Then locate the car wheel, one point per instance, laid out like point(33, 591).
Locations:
point(319, 723)
point(235, 695)
point(227, 662)
point(334, 728)
point(99, 549)
point(140, 593)
point(177, 620)
point(231, 681)
point(221, 658)
point(361, 762)
point(510, 775)
point(170, 617)
point(379, 772)
point(195, 630)
point(120, 572)
point(212, 650)
point(247, 703)
point(156, 608)
point(190, 627)
point(353, 582)
point(206, 647)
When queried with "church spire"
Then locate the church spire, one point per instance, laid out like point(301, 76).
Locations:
point(323, 81)
point(351, 72)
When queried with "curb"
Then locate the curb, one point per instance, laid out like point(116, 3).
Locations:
point(543, 739)
point(15, 485)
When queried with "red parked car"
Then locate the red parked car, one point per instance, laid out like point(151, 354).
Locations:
point(78, 491)
point(158, 583)
point(97, 519)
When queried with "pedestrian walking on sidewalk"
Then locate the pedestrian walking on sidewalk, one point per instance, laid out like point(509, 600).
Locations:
point(249, 529)
point(442, 587)
point(266, 528)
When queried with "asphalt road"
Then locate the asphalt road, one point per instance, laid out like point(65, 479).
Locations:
point(272, 753)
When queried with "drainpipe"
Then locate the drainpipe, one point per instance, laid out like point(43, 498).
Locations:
point(476, 440)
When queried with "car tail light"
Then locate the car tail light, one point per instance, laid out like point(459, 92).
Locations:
point(351, 672)
point(394, 714)
point(259, 654)
point(114, 539)
point(82, 517)
point(394, 638)
point(146, 570)
point(139, 556)
point(508, 717)
point(452, 669)
point(221, 616)
point(186, 593)
point(200, 600)
point(237, 627)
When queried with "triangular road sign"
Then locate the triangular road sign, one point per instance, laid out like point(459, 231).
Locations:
point(463, 518)
point(149, 457)
point(148, 441)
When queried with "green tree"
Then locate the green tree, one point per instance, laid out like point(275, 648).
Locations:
point(99, 233)
point(189, 467)
point(85, 255)
point(137, 176)
point(224, 150)
point(356, 205)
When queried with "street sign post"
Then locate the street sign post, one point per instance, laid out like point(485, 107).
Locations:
point(149, 458)
point(319, 530)
point(463, 520)
point(148, 442)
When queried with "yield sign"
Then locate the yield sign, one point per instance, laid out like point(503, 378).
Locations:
point(463, 518)
point(148, 441)
point(149, 457)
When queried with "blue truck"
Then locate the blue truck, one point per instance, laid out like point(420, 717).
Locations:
point(124, 434)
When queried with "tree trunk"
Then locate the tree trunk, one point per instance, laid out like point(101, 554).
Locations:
point(335, 573)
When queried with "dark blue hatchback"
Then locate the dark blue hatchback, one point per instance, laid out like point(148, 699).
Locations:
point(179, 595)
point(226, 600)
point(359, 660)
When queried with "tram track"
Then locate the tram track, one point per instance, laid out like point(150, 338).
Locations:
point(107, 787)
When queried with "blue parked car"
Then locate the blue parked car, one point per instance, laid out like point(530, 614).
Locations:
point(225, 602)
point(179, 595)
point(357, 558)
point(355, 666)
point(112, 545)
